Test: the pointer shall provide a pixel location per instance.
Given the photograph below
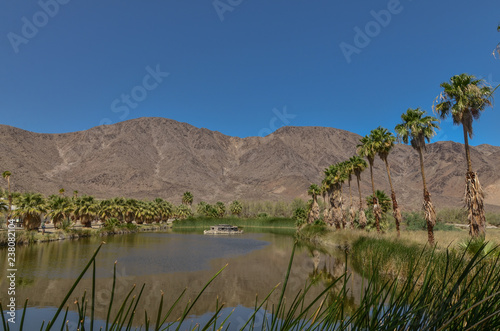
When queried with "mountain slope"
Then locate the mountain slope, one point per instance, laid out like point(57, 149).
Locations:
point(157, 157)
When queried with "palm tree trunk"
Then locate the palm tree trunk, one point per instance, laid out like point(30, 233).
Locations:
point(350, 192)
point(10, 198)
point(361, 215)
point(474, 196)
point(422, 169)
point(395, 208)
point(429, 211)
point(360, 198)
point(376, 208)
point(467, 151)
point(371, 175)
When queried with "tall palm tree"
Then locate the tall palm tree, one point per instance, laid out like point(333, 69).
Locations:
point(6, 174)
point(313, 191)
point(187, 198)
point(367, 148)
point(464, 98)
point(30, 209)
point(384, 142)
point(358, 166)
point(416, 129)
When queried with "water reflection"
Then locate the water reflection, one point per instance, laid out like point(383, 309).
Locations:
point(171, 262)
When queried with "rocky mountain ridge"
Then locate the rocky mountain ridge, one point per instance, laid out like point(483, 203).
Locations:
point(158, 157)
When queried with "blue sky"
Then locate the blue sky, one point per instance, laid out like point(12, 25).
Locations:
point(241, 67)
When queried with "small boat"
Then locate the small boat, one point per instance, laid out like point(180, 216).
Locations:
point(223, 229)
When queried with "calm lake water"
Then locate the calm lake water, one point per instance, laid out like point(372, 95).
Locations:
point(168, 263)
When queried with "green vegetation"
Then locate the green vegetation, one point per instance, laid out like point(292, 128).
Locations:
point(416, 129)
point(259, 222)
point(464, 98)
point(415, 221)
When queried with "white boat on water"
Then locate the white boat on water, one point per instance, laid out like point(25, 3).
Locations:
point(223, 229)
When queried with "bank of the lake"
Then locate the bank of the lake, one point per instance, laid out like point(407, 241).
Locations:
point(24, 237)
point(259, 222)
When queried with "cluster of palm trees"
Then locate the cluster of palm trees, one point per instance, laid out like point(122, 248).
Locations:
point(33, 208)
point(463, 98)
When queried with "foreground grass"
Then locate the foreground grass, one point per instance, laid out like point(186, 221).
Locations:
point(450, 290)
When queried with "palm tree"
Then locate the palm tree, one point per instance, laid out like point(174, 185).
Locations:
point(6, 174)
point(464, 98)
point(129, 210)
point(349, 169)
point(164, 210)
point(335, 176)
point(416, 129)
point(313, 191)
point(182, 211)
point(187, 198)
point(384, 142)
point(30, 208)
point(383, 200)
point(60, 209)
point(326, 192)
point(236, 207)
point(86, 210)
point(220, 207)
point(358, 166)
point(367, 148)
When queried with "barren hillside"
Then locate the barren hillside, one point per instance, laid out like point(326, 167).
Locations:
point(158, 157)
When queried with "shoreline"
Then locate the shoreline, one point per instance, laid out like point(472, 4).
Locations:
point(24, 237)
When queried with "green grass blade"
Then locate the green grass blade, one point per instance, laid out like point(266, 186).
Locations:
point(186, 312)
point(24, 314)
point(93, 298)
point(112, 296)
point(51, 322)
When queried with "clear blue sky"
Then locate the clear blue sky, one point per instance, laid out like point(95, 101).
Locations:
point(237, 66)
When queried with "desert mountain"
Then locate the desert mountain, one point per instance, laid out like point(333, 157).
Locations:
point(158, 157)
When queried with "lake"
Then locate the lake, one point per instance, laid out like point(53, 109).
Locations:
point(169, 263)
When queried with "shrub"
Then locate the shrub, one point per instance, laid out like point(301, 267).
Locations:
point(300, 216)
